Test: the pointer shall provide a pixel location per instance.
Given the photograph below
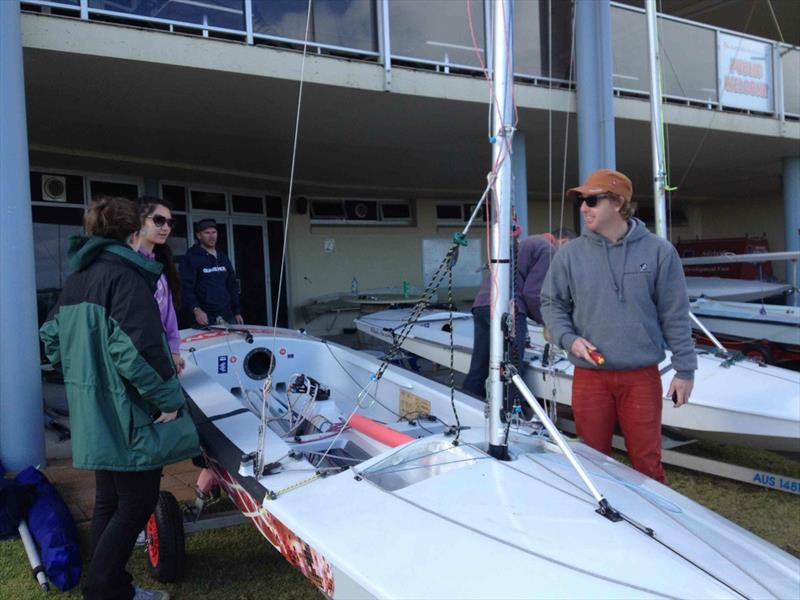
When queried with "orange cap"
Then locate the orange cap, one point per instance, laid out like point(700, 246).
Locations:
point(604, 181)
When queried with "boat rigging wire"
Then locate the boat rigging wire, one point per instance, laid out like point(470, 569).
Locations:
point(775, 20)
point(714, 115)
point(646, 495)
point(504, 542)
point(263, 424)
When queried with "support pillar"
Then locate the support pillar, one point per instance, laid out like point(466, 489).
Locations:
point(791, 217)
point(594, 82)
point(21, 417)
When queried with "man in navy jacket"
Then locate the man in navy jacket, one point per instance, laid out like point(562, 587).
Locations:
point(208, 279)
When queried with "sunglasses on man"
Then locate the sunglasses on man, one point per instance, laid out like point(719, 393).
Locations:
point(160, 221)
point(591, 201)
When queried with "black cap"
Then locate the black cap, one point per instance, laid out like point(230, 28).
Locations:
point(204, 224)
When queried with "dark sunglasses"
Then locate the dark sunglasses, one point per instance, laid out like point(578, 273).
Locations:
point(160, 221)
point(591, 201)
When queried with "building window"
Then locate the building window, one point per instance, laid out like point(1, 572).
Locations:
point(247, 204)
point(274, 207)
point(457, 213)
point(202, 200)
point(179, 239)
point(175, 195)
point(113, 188)
point(396, 211)
point(360, 211)
point(676, 218)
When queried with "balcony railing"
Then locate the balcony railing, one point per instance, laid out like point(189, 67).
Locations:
point(701, 65)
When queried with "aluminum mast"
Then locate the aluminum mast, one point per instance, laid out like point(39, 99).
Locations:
point(499, 263)
point(656, 138)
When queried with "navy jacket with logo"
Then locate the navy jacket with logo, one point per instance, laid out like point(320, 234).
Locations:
point(209, 282)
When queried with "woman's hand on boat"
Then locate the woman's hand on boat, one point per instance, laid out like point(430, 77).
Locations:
point(166, 417)
point(179, 363)
point(682, 389)
point(581, 348)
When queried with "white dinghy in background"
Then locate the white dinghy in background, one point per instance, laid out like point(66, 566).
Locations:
point(771, 322)
point(734, 401)
point(751, 322)
point(739, 290)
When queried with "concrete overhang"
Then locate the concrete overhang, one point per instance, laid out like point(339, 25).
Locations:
point(184, 102)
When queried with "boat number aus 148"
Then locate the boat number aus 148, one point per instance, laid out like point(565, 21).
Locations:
point(792, 485)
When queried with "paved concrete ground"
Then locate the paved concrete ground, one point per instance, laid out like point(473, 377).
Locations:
point(77, 486)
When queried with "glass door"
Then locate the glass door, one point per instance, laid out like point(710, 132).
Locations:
point(249, 257)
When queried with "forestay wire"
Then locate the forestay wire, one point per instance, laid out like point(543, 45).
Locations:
point(262, 428)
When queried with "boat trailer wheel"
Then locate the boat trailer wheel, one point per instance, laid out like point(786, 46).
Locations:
point(166, 551)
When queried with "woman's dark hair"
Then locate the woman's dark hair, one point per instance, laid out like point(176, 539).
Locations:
point(112, 217)
point(147, 206)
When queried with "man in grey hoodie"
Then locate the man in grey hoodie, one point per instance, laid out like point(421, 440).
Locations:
point(614, 298)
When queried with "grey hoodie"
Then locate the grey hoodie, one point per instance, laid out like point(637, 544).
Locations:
point(628, 298)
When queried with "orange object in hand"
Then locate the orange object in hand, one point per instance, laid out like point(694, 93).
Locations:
point(597, 357)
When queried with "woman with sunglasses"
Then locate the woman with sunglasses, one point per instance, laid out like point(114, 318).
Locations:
point(156, 226)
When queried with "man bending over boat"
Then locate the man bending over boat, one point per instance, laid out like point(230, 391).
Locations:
point(533, 259)
point(615, 297)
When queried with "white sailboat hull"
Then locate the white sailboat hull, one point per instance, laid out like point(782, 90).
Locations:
point(741, 403)
point(429, 519)
point(778, 324)
point(739, 290)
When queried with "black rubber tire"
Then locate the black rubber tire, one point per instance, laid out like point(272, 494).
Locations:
point(166, 548)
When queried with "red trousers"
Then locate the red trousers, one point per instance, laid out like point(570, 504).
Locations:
point(601, 399)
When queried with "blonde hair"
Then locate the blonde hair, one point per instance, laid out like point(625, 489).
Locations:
point(626, 207)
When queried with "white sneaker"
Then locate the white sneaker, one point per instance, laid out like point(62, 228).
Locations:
point(145, 594)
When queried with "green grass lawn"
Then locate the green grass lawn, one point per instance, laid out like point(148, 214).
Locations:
point(237, 563)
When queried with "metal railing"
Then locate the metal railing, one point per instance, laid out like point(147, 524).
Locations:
point(703, 66)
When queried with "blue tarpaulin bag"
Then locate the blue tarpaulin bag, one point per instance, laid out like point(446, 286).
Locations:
point(53, 529)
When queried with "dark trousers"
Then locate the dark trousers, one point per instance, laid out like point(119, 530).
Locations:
point(475, 381)
point(124, 502)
